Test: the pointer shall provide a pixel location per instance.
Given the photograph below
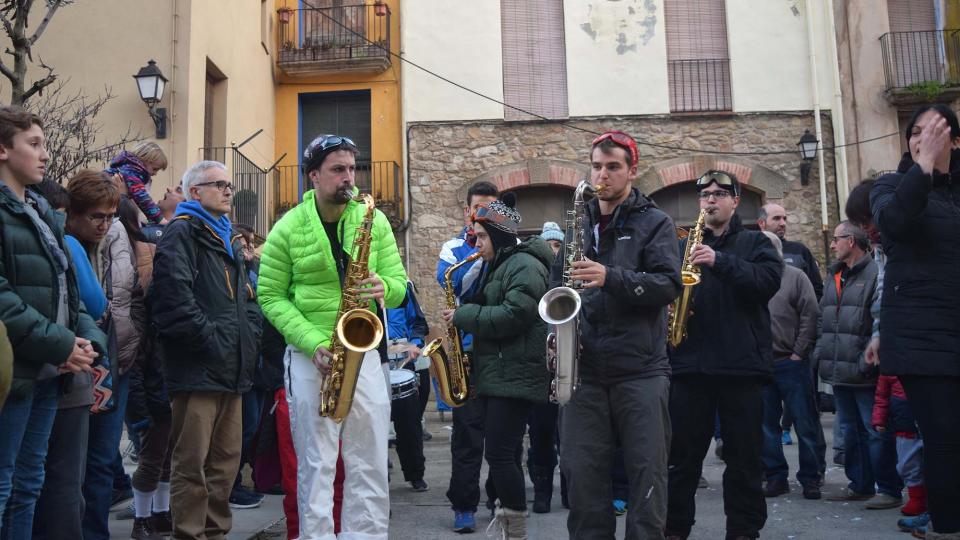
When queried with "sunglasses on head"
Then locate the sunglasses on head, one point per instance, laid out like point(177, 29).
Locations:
point(621, 139)
point(720, 178)
point(326, 142)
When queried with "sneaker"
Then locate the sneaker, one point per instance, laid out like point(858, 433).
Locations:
point(126, 513)
point(785, 438)
point(120, 496)
point(846, 494)
point(240, 497)
point(143, 531)
point(162, 522)
point(911, 524)
point(464, 522)
point(427, 436)
point(702, 483)
point(882, 501)
point(811, 490)
point(419, 486)
point(619, 507)
point(776, 487)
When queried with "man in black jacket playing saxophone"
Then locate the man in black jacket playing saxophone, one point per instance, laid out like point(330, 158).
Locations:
point(631, 275)
point(723, 363)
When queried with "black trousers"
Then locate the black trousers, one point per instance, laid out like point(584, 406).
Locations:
point(60, 509)
point(405, 414)
point(695, 400)
point(466, 452)
point(934, 402)
point(542, 454)
point(505, 420)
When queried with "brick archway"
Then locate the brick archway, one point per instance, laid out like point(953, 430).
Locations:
point(532, 172)
point(770, 183)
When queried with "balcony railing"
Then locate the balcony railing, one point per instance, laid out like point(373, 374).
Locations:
point(382, 179)
point(251, 189)
point(922, 63)
point(336, 39)
point(699, 85)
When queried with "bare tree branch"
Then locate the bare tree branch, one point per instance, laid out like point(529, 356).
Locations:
point(6, 72)
point(51, 10)
point(38, 86)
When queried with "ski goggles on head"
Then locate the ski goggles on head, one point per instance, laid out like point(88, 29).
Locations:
point(722, 179)
point(620, 139)
point(321, 146)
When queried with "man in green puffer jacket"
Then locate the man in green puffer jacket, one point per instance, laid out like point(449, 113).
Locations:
point(50, 332)
point(305, 260)
point(509, 351)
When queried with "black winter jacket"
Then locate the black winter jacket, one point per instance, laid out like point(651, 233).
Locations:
point(846, 325)
point(919, 216)
point(623, 325)
point(204, 310)
point(729, 332)
point(29, 294)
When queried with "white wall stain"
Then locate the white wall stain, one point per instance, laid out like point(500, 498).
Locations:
point(628, 24)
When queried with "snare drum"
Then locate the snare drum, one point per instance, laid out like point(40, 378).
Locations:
point(403, 384)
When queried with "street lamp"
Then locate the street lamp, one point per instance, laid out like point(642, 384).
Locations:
point(808, 150)
point(150, 84)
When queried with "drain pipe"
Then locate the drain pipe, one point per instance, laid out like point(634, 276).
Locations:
point(815, 91)
point(839, 133)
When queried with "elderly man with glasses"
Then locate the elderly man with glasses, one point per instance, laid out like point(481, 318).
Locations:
point(723, 364)
point(205, 311)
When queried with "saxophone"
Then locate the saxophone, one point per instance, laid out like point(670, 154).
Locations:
point(358, 329)
point(560, 306)
point(450, 368)
point(690, 276)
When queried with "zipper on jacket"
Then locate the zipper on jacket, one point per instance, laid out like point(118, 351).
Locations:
point(226, 273)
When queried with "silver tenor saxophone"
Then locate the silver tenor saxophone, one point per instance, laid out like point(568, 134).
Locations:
point(560, 306)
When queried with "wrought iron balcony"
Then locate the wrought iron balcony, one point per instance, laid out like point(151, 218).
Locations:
point(334, 40)
point(921, 66)
point(699, 85)
point(382, 179)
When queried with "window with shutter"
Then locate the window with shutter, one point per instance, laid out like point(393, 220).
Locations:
point(534, 58)
point(915, 46)
point(698, 65)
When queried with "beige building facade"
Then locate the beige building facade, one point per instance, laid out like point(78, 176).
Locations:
point(700, 84)
point(218, 56)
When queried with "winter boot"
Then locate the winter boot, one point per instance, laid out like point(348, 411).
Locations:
point(542, 489)
point(917, 503)
point(508, 524)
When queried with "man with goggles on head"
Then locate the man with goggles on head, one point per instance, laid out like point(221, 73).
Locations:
point(304, 263)
point(631, 274)
point(723, 363)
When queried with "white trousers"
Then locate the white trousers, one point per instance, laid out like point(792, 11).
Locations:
point(366, 497)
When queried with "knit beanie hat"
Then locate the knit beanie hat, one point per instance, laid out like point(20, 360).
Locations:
point(551, 231)
point(501, 220)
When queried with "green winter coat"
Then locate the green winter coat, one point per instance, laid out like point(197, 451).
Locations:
point(509, 337)
point(299, 289)
point(29, 294)
point(6, 364)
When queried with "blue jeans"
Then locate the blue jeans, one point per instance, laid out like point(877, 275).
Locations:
point(103, 442)
point(871, 457)
point(250, 407)
point(25, 425)
point(792, 387)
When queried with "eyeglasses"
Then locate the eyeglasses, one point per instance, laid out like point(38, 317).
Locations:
point(622, 139)
point(842, 236)
point(720, 178)
point(100, 219)
point(219, 184)
point(719, 194)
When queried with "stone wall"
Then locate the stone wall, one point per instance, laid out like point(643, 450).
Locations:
point(445, 158)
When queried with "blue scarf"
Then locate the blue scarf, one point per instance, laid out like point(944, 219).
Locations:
point(221, 226)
